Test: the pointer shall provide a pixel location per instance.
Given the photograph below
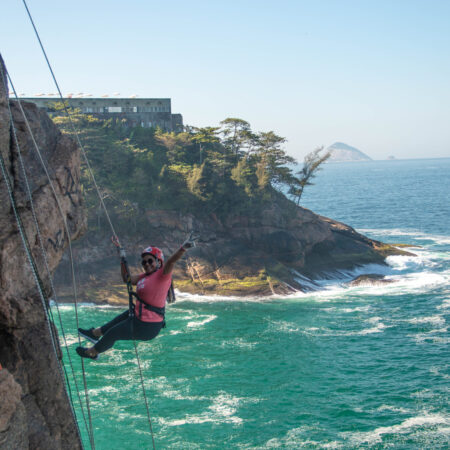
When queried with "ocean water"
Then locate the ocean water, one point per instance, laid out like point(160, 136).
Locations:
point(343, 367)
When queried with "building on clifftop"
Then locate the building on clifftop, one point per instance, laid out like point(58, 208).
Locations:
point(144, 112)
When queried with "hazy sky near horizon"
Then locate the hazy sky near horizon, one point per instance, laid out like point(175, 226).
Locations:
point(372, 74)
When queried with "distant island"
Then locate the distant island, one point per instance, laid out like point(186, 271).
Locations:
point(341, 152)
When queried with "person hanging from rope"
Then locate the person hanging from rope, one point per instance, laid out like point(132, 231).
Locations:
point(145, 317)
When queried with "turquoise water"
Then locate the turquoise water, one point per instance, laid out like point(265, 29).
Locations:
point(361, 367)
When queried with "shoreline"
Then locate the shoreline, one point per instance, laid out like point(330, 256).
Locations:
point(116, 295)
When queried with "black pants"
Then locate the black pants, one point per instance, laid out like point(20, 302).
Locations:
point(124, 328)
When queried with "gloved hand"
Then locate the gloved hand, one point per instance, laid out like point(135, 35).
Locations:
point(189, 242)
point(120, 249)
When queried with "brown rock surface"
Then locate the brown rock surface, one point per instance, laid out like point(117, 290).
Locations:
point(277, 251)
point(36, 412)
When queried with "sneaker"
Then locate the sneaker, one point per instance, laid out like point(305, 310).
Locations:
point(88, 334)
point(83, 352)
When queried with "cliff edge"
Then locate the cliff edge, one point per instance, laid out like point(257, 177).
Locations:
point(34, 408)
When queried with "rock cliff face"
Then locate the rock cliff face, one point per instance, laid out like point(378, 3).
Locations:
point(278, 250)
point(34, 409)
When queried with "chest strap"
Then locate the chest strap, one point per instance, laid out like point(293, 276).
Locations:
point(155, 309)
point(160, 311)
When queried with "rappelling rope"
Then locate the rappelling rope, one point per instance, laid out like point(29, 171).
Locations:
point(53, 290)
point(145, 395)
point(131, 312)
point(33, 267)
point(75, 131)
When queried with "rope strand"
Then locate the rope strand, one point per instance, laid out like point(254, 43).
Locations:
point(40, 240)
point(90, 432)
point(74, 129)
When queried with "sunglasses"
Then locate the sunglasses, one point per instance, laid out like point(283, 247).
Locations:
point(148, 261)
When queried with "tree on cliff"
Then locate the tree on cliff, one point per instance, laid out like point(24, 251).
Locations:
point(225, 170)
point(311, 165)
point(205, 139)
point(235, 132)
point(269, 152)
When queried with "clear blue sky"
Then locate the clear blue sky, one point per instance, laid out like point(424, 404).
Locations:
point(372, 74)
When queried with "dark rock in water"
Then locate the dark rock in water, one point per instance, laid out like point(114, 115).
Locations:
point(34, 409)
point(371, 279)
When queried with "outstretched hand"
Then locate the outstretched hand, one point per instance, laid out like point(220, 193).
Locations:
point(189, 242)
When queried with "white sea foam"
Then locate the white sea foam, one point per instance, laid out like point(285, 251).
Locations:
point(200, 323)
point(71, 339)
point(435, 320)
point(438, 371)
point(395, 409)
point(238, 343)
point(299, 438)
point(432, 336)
point(222, 410)
point(168, 389)
point(200, 298)
point(356, 309)
point(376, 436)
point(406, 273)
point(284, 326)
point(339, 310)
point(445, 304)
point(103, 390)
point(377, 327)
point(419, 235)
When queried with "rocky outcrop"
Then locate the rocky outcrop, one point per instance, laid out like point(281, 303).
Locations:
point(277, 250)
point(371, 279)
point(34, 408)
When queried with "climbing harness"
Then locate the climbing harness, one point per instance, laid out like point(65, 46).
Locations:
point(131, 293)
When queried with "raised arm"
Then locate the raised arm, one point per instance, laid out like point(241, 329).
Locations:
point(170, 263)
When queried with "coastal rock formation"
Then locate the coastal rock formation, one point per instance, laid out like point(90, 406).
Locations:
point(371, 279)
point(34, 409)
point(278, 250)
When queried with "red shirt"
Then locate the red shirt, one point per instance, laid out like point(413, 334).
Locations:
point(152, 289)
